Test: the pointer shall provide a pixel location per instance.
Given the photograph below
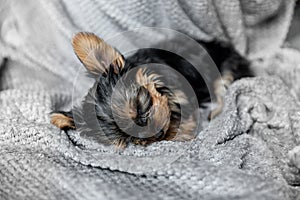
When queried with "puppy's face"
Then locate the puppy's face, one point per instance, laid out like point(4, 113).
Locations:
point(141, 112)
point(139, 109)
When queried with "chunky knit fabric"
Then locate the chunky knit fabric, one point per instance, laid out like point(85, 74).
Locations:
point(251, 151)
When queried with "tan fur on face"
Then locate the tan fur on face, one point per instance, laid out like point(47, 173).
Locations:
point(160, 108)
point(165, 105)
point(95, 54)
point(126, 112)
point(186, 130)
point(182, 131)
point(143, 78)
point(62, 121)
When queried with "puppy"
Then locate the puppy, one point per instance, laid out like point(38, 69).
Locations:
point(141, 107)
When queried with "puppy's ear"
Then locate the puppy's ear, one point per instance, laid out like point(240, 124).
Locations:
point(96, 55)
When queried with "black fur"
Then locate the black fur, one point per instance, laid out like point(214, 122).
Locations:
point(95, 119)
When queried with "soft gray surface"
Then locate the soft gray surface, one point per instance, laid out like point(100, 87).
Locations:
point(251, 151)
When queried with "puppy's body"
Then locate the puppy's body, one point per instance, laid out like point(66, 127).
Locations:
point(227, 60)
point(144, 109)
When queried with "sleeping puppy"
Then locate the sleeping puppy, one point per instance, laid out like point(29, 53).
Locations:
point(142, 108)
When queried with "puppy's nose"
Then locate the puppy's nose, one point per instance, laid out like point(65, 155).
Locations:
point(141, 121)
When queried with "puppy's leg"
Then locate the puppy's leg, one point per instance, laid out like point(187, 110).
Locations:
point(63, 120)
point(233, 68)
point(220, 87)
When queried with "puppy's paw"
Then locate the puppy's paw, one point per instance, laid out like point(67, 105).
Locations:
point(62, 121)
point(220, 87)
point(120, 143)
point(142, 142)
point(215, 112)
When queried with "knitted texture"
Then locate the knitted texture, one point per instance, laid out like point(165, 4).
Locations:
point(250, 151)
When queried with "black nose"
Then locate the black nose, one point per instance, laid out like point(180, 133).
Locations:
point(141, 121)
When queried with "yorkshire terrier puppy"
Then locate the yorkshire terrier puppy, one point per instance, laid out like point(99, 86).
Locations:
point(141, 108)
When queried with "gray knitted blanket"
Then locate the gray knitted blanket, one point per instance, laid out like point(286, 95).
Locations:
point(250, 151)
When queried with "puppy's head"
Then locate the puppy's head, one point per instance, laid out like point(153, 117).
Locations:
point(138, 109)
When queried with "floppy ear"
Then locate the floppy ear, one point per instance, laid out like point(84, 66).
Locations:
point(96, 55)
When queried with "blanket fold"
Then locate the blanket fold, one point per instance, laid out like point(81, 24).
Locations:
point(250, 151)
